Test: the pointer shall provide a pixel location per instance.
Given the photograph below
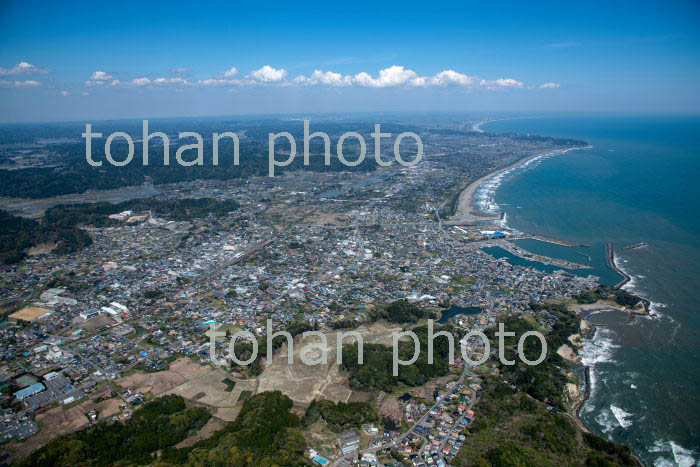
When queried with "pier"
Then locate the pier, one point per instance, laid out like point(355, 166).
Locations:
point(588, 257)
point(555, 241)
point(524, 254)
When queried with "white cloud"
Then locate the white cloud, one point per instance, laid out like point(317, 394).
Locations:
point(85, 93)
point(550, 86)
point(451, 77)
point(327, 78)
point(397, 75)
point(23, 68)
point(143, 81)
point(164, 81)
point(230, 73)
point(98, 78)
point(65, 93)
point(393, 76)
point(219, 82)
point(267, 74)
point(501, 83)
point(19, 84)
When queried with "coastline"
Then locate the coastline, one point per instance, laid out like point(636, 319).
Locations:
point(477, 126)
point(593, 396)
point(576, 408)
point(610, 258)
point(465, 204)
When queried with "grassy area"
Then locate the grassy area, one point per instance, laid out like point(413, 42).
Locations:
point(230, 384)
point(513, 429)
point(230, 328)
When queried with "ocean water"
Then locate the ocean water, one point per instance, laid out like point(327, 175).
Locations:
point(639, 183)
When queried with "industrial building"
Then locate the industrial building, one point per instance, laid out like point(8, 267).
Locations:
point(29, 391)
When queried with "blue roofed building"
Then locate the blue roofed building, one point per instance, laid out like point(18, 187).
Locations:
point(29, 391)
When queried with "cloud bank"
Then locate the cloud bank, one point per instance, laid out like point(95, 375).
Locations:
point(23, 68)
point(395, 76)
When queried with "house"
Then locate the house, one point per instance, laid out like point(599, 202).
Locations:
point(349, 442)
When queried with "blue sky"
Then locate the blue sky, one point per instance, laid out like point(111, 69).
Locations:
point(87, 60)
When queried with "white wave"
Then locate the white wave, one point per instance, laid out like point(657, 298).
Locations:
point(606, 422)
point(483, 196)
point(663, 462)
point(632, 286)
point(678, 455)
point(477, 126)
point(683, 457)
point(654, 309)
point(659, 446)
point(633, 386)
point(621, 416)
point(598, 350)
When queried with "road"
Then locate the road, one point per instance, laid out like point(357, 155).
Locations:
point(340, 460)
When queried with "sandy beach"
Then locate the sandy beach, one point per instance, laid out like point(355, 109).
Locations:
point(477, 126)
point(465, 205)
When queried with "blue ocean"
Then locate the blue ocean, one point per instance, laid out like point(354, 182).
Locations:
point(638, 183)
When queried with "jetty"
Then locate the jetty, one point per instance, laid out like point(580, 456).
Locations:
point(635, 246)
point(556, 241)
point(610, 259)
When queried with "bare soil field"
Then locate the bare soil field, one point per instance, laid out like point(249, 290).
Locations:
point(52, 423)
point(304, 215)
point(391, 408)
point(301, 382)
point(426, 391)
point(180, 371)
point(319, 437)
point(304, 383)
point(210, 390)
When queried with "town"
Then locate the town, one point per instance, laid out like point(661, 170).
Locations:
point(92, 335)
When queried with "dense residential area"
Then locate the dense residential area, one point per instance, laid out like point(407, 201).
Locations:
point(111, 336)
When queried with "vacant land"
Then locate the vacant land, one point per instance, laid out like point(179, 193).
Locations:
point(304, 383)
point(52, 423)
point(199, 384)
point(180, 371)
point(28, 314)
point(212, 390)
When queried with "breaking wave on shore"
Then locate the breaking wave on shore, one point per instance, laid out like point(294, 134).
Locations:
point(622, 416)
point(675, 455)
point(484, 194)
point(633, 286)
point(600, 349)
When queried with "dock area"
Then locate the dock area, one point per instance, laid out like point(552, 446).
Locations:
point(553, 240)
point(524, 254)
